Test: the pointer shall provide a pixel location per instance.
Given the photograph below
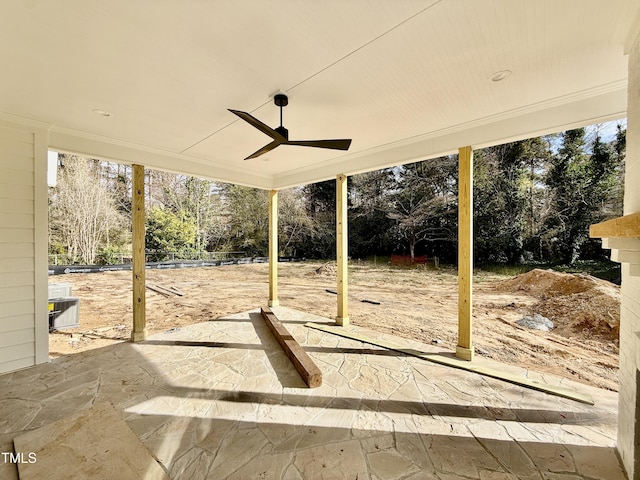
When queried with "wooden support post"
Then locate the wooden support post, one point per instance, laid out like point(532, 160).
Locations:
point(342, 240)
point(139, 290)
point(464, 350)
point(273, 249)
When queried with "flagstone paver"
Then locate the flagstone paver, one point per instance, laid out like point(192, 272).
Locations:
point(220, 400)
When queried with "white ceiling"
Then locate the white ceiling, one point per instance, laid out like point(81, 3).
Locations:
point(405, 79)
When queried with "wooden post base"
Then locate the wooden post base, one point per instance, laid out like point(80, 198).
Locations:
point(342, 321)
point(274, 303)
point(464, 353)
point(139, 336)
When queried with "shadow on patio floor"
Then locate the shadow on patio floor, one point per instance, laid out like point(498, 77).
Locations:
point(221, 400)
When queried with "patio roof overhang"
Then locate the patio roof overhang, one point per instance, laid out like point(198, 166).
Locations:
point(405, 80)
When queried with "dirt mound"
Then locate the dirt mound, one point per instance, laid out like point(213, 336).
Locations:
point(547, 282)
point(578, 304)
point(591, 314)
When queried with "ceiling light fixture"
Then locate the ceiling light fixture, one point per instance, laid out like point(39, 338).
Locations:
point(97, 111)
point(501, 75)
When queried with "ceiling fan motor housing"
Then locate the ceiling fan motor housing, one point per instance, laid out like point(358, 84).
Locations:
point(281, 100)
point(282, 131)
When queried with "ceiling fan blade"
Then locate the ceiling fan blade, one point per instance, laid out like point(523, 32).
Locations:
point(265, 149)
point(342, 144)
point(266, 129)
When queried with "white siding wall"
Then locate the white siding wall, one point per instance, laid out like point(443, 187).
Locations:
point(629, 401)
point(23, 240)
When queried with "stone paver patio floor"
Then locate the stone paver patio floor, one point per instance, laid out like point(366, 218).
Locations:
point(220, 400)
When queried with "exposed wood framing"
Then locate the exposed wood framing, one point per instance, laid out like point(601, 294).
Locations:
point(464, 350)
point(307, 369)
point(342, 240)
point(139, 291)
point(621, 227)
point(273, 249)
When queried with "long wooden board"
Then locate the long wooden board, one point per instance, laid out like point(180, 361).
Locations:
point(161, 291)
point(461, 364)
point(308, 370)
point(165, 291)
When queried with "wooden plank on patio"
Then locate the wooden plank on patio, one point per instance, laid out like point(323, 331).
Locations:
point(307, 369)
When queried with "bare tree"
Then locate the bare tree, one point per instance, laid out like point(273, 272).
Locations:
point(295, 223)
point(82, 208)
point(424, 202)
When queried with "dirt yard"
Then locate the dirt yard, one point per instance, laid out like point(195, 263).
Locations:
point(413, 303)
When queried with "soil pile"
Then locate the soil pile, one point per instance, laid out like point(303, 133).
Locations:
point(578, 304)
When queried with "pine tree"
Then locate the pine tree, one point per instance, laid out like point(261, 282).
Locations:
point(585, 189)
point(507, 196)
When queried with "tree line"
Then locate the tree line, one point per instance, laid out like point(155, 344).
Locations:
point(533, 201)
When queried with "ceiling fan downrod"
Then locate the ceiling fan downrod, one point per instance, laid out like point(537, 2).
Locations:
point(281, 100)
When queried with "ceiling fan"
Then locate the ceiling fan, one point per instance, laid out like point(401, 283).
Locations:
point(280, 134)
